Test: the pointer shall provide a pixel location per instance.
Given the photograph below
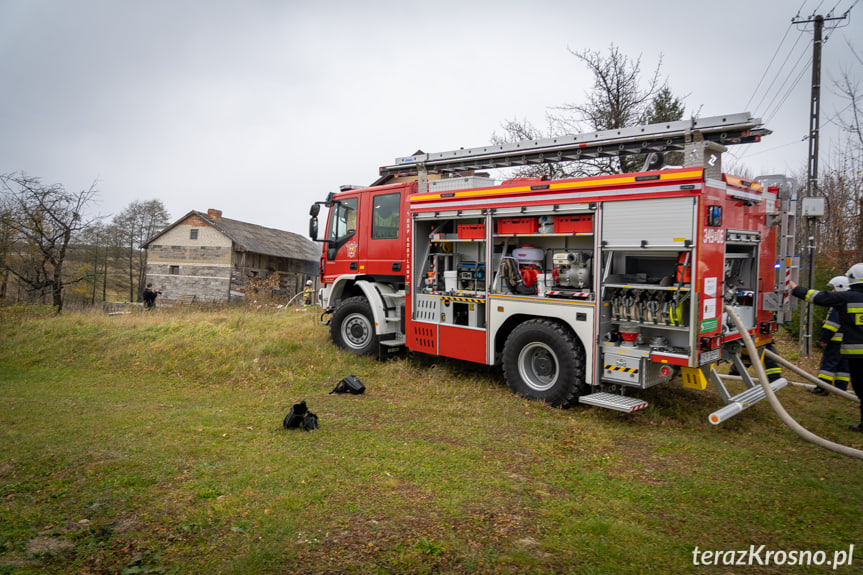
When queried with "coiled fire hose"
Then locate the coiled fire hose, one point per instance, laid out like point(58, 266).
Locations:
point(774, 401)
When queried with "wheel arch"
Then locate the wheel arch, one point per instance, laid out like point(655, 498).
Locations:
point(544, 359)
point(347, 287)
point(515, 320)
point(577, 320)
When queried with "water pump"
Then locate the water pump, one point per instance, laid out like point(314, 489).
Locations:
point(572, 270)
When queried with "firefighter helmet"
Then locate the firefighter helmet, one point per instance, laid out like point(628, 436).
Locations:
point(855, 274)
point(839, 283)
point(309, 282)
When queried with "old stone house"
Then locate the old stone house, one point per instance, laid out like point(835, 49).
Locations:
point(217, 259)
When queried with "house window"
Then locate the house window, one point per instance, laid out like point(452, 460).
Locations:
point(193, 234)
point(174, 271)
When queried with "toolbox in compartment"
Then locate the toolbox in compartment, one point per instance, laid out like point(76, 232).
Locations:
point(517, 226)
point(582, 224)
point(471, 232)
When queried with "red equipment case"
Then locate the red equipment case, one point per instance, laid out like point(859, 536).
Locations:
point(573, 224)
point(471, 232)
point(518, 226)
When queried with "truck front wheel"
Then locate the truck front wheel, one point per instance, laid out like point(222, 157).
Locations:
point(353, 327)
point(544, 361)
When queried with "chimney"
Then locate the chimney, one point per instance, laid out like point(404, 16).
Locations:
point(214, 215)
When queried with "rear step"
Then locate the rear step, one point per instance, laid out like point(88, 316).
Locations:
point(743, 400)
point(397, 341)
point(389, 346)
point(613, 401)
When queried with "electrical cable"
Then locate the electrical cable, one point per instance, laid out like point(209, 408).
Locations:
point(764, 74)
point(790, 89)
point(779, 71)
point(774, 401)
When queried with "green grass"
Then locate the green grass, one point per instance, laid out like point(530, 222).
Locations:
point(152, 443)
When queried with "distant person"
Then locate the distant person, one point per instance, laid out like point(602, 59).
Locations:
point(834, 366)
point(150, 296)
point(849, 306)
point(308, 293)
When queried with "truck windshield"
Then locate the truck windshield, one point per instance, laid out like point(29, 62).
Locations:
point(343, 219)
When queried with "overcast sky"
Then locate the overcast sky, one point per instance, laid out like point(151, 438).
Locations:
point(261, 107)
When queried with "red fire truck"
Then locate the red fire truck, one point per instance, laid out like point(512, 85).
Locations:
point(583, 290)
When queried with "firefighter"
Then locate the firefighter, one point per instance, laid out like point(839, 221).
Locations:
point(308, 293)
point(849, 306)
point(150, 296)
point(834, 367)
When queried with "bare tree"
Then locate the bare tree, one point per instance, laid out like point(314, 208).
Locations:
point(522, 130)
point(95, 250)
point(852, 119)
point(136, 224)
point(43, 220)
point(840, 234)
point(619, 98)
point(6, 239)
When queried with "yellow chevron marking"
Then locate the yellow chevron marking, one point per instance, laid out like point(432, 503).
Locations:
point(464, 299)
point(623, 369)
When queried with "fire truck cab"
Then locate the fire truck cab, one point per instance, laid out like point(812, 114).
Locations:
point(583, 290)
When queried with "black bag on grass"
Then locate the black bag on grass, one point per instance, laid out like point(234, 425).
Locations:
point(350, 384)
point(300, 416)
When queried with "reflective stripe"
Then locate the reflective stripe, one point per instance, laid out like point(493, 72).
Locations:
point(852, 349)
point(831, 325)
point(811, 294)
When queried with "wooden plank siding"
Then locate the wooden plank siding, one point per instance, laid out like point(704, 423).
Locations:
point(214, 258)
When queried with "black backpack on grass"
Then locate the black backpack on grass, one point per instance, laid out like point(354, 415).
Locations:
point(350, 384)
point(300, 416)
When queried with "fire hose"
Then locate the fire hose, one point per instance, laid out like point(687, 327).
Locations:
point(774, 401)
point(819, 382)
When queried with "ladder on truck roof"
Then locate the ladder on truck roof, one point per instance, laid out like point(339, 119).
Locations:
point(739, 128)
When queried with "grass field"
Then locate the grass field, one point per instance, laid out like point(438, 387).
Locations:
point(152, 443)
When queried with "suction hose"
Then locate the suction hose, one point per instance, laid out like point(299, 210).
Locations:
point(820, 383)
point(774, 402)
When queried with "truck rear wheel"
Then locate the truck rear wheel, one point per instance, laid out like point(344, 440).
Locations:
point(543, 360)
point(353, 327)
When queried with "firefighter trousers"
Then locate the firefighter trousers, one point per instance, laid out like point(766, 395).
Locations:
point(834, 366)
point(855, 368)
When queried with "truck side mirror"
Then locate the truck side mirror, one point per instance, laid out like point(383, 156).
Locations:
point(315, 210)
point(313, 228)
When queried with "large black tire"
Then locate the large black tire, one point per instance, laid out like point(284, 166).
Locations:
point(543, 360)
point(353, 327)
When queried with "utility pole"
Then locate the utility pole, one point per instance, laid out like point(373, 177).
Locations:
point(811, 210)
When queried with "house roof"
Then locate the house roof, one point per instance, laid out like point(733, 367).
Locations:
point(254, 238)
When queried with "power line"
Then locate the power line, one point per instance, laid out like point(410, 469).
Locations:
point(788, 91)
point(812, 160)
point(764, 74)
point(779, 71)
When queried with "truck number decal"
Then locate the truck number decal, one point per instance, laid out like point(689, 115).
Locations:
point(714, 236)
